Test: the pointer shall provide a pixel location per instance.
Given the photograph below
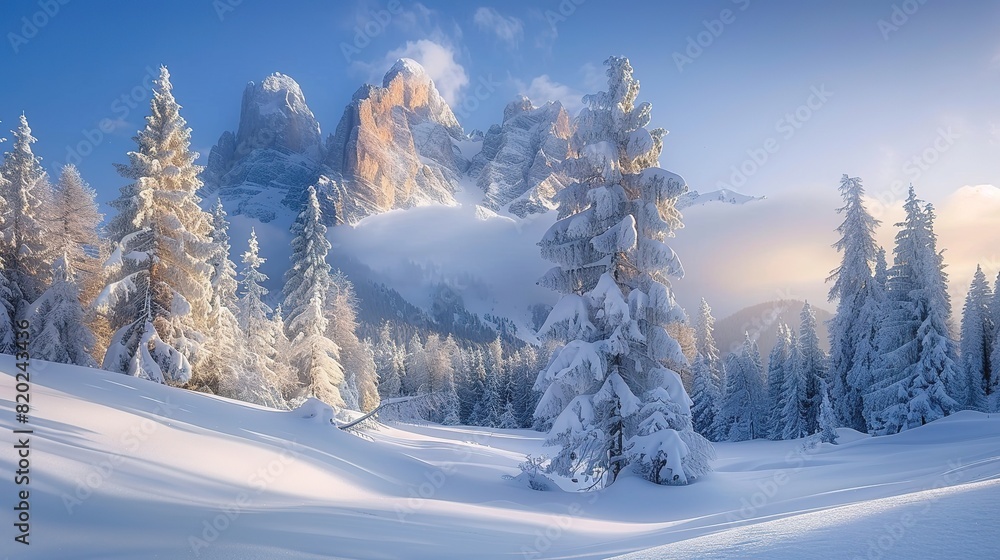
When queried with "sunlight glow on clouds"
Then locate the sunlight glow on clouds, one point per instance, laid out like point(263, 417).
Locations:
point(439, 60)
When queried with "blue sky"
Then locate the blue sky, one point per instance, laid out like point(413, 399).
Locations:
point(777, 98)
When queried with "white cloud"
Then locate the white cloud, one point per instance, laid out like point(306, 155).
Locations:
point(543, 88)
point(595, 77)
point(508, 29)
point(439, 61)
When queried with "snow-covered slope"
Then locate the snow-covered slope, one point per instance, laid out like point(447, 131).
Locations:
point(124, 468)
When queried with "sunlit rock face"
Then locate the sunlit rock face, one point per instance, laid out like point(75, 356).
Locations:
point(395, 146)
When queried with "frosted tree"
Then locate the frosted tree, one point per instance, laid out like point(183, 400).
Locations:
point(159, 292)
point(992, 385)
point(918, 365)
point(744, 412)
point(706, 397)
point(58, 330)
point(7, 342)
point(313, 354)
point(827, 417)
point(357, 358)
point(812, 365)
point(793, 409)
point(23, 233)
point(263, 359)
point(977, 343)
point(706, 345)
point(777, 364)
point(388, 363)
point(613, 269)
point(441, 378)
point(508, 420)
point(75, 219)
point(493, 394)
point(851, 283)
point(861, 377)
point(417, 378)
point(221, 370)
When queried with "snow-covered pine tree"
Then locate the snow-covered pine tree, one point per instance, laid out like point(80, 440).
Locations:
point(613, 270)
point(75, 219)
point(314, 356)
point(360, 387)
point(522, 380)
point(850, 288)
point(706, 398)
point(812, 365)
point(493, 394)
point(24, 245)
point(976, 343)
point(389, 364)
point(862, 375)
point(777, 364)
point(793, 411)
point(441, 378)
point(477, 390)
point(263, 358)
point(744, 411)
point(918, 366)
point(221, 371)
point(159, 288)
point(827, 417)
point(416, 381)
point(992, 388)
point(58, 330)
point(707, 347)
point(7, 342)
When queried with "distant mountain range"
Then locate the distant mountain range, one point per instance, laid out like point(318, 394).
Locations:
point(761, 321)
point(399, 147)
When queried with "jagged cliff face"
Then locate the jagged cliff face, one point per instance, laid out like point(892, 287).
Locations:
point(274, 155)
point(520, 165)
point(395, 146)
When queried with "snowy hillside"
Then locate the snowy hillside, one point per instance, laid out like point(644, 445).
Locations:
point(124, 468)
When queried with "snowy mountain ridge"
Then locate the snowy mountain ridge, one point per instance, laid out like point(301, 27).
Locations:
point(399, 146)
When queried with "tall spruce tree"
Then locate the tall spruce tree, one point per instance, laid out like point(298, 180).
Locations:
point(613, 270)
point(75, 219)
point(263, 361)
point(793, 409)
point(813, 366)
point(24, 247)
point(706, 345)
point(159, 292)
point(851, 283)
point(918, 366)
point(307, 282)
point(744, 411)
point(777, 365)
point(869, 355)
point(976, 343)
point(58, 330)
